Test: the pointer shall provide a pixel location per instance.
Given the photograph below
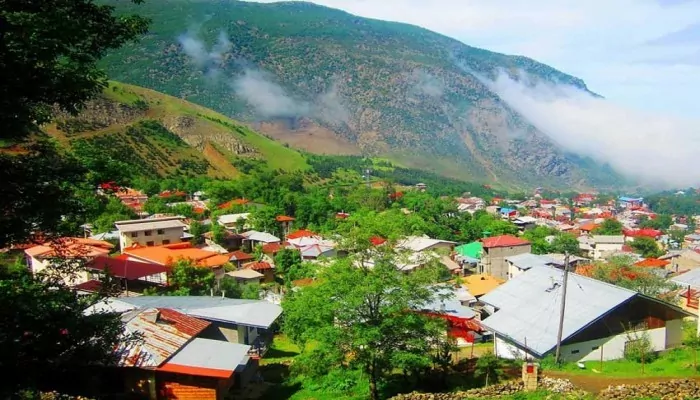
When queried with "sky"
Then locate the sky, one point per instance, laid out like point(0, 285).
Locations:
point(643, 54)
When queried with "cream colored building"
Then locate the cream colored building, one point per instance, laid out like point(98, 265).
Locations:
point(151, 232)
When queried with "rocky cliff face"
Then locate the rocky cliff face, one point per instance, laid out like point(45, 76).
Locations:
point(384, 88)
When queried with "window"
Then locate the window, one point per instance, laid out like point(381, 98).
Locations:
point(166, 241)
point(148, 233)
point(575, 351)
point(595, 348)
point(161, 231)
point(134, 234)
point(150, 244)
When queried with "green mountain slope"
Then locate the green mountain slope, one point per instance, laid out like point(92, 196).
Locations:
point(156, 135)
point(296, 69)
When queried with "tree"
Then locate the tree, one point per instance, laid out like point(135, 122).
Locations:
point(196, 230)
point(362, 318)
point(646, 246)
point(114, 211)
point(538, 237)
point(620, 271)
point(610, 226)
point(218, 233)
point(565, 243)
point(187, 279)
point(489, 367)
point(44, 334)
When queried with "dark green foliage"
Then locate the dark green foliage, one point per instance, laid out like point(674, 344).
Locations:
point(610, 226)
point(44, 334)
point(647, 247)
point(489, 367)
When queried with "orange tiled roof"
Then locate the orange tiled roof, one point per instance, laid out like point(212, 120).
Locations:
point(258, 265)
point(284, 218)
point(272, 248)
point(70, 247)
point(301, 233)
point(503, 241)
point(652, 263)
point(168, 254)
point(234, 202)
point(588, 227)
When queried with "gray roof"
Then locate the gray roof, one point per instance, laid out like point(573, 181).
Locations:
point(690, 278)
point(138, 225)
point(214, 354)
point(526, 261)
point(447, 300)
point(528, 306)
point(261, 237)
point(609, 239)
point(560, 258)
point(257, 313)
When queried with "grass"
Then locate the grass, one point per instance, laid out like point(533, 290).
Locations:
point(282, 351)
point(676, 363)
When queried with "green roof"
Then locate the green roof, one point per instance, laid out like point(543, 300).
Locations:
point(472, 250)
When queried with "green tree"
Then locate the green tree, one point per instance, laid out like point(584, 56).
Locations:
point(360, 318)
point(489, 367)
point(218, 233)
point(538, 237)
point(251, 291)
point(187, 279)
point(115, 211)
point(610, 226)
point(565, 243)
point(646, 246)
point(197, 230)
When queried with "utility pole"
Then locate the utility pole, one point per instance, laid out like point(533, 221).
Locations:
point(368, 175)
point(563, 307)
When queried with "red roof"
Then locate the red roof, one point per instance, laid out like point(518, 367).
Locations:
point(122, 267)
point(503, 241)
point(183, 323)
point(652, 263)
point(545, 201)
point(168, 194)
point(89, 286)
point(342, 215)
point(284, 218)
point(300, 234)
point(234, 202)
point(240, 256)
point(258, 266)
point(377, 240)
point(196, 371)
point(647, 232)
point(272, 248)
point(588, 227)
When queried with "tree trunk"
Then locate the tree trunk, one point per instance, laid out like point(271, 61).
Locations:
point(373, 391)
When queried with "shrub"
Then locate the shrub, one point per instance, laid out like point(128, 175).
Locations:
point(639, 347)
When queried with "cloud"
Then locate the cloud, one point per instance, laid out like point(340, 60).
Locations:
point(427, 84)
point(656, 149)
point(268, 98)
point(605, 43)
point(209, 60)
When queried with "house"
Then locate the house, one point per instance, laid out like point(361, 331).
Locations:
point(300, 233)
point(682, 260)
point(692, 239)
point(171, 253)
point(246, 322)
point(40, 258)
point(629, 202)
point(286, 222)
point(151, 232)
point(599, 322)
point(419, 244)
point(522, 262)
point(132, 198)
point(234, 222)
point(645, 232)
point(604, 246)
point(508, 213)
point(588, 227)
point(470, 253)
point(574, 261)
point(175, 359)
point(246, 275)
point(421, 186)
point(264, 268)
point(453, 305)
point(496, 249)
point(135, 275)
point(525, 222)
point(253, 238)
point(654, 263)
point(238, 258)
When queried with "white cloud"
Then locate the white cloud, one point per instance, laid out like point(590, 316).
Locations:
point(656, 149)
point(596, 40)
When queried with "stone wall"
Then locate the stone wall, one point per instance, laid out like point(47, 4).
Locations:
point(671, 390)
point(495, 391)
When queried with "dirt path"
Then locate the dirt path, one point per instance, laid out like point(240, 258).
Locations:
point(594, 384)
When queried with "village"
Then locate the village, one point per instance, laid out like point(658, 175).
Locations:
point(501, 293)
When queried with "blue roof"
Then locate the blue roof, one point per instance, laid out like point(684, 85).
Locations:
point(506, 210)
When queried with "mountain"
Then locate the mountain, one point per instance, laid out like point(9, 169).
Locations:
point(326, 81)
point(156, 135)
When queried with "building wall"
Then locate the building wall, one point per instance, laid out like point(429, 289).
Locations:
point(494, 262)
point(513, 271)
point(613, 347)
point(187, 387)
point(37, 266)
point(172, 235)
point(252, 334)
point(602, 249)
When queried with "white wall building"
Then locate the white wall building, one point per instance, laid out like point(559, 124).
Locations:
point(151, 232)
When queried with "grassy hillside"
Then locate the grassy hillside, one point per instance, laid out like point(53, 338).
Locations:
point(306, 73)
point(157, 135)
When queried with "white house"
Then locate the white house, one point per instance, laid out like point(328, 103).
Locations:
point(234, 221)
point(151, 232)
point(522, 262)
point(606, 245)
point(599, 317)
point(419, 244)
point(41, 257)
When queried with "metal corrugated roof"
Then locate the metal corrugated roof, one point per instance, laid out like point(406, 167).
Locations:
point(690, 278)
point(609, 239)
point(447, 301)
point(258, 313)
point(261, 237)
point(526, 261)
point(528, 306)
point(212, 354)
